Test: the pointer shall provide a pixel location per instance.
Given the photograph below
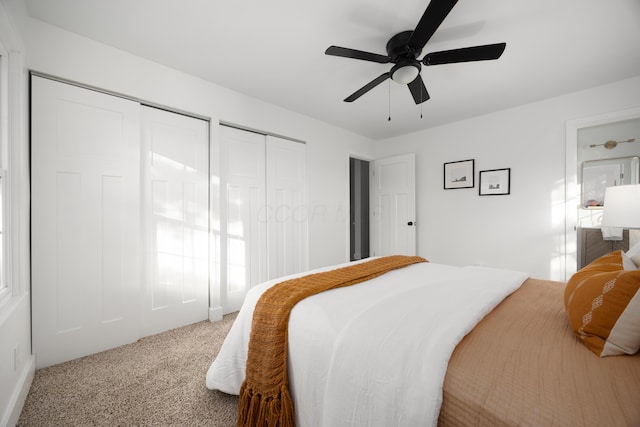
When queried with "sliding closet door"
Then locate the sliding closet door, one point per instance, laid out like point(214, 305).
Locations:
point(85, 232)
point(264, 214)
point(244, 261)
point(287, 207)
point(175, 220)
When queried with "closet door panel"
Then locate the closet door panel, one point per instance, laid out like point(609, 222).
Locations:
point(84, 221)
point(265, 211)
point(113, 245)
point(287, 207)
point(175, 218)
point(244, 264)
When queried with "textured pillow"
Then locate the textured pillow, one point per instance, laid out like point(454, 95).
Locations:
point(634, 254)
point(603, 304)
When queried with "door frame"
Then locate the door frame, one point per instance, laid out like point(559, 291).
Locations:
point(571, 191)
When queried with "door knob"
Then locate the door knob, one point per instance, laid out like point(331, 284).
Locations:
point(410, 223)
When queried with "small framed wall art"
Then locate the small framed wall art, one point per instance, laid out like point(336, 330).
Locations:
point(495, 182)
point(459, 174)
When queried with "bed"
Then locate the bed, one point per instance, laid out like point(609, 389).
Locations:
point(382, 353)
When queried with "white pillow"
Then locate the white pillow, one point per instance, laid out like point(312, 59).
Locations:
point(634, 254)
point(627, 263)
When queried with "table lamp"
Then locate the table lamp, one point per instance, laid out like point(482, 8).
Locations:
point(622, 209)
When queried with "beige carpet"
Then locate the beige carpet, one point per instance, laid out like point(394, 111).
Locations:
point(157, 381)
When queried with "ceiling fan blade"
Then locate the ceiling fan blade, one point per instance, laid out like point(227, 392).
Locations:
point(430, 21)
point(356, 54)
point(465, 54)
point(366, 88)
point(418, 90)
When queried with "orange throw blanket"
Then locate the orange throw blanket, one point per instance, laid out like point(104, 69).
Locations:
point(264, 395)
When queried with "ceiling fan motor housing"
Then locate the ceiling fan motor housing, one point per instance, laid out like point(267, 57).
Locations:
point(403, 56)
point(398, 48)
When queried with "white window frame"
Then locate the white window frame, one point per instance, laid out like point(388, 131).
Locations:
point(5, 285)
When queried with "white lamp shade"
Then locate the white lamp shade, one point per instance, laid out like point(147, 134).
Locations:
point(405, 75)
point(622, 206)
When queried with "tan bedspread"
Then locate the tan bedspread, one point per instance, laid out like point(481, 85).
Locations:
point(522, 366)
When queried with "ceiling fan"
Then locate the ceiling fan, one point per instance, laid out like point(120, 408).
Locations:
point(404, 48)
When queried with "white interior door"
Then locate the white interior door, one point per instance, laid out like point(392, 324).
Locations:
point(287, 207)
point(393, 209)
point(175, 219)
point(85, 197)
point(245, 259)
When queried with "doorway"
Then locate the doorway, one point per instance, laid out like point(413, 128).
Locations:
point(578, 137)
point(359, 208)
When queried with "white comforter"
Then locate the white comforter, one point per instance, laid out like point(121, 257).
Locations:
point(376, 353)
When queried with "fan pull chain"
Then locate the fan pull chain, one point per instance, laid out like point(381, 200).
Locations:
point(421, 101)
point(389, 119)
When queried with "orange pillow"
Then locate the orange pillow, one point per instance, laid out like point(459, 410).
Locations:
point(603, 304)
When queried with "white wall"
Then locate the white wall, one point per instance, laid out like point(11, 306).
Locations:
point(53, 51)
point(66, 55)
point(524, 230)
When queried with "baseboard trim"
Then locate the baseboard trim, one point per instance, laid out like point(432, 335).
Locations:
point(19, 395)
point(215, 314)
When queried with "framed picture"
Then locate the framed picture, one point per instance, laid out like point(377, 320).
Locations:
point(495, 182)
point(459, 174)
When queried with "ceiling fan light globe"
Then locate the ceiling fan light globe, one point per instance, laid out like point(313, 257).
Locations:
point(405, 75)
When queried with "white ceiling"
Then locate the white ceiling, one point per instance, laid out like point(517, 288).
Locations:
point(274, 50)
